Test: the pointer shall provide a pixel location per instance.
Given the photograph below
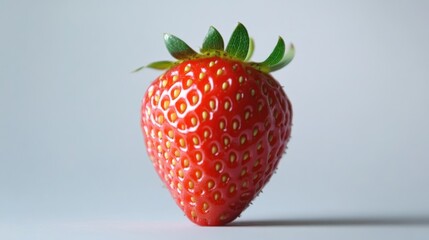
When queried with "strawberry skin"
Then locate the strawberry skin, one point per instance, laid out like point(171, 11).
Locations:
point(215, 130)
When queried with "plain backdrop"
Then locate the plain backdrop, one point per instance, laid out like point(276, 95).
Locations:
point(72, 159)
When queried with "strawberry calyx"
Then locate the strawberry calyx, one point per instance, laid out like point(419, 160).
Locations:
point(240, 47)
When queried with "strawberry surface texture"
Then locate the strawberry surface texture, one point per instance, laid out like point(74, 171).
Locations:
point(216, 125)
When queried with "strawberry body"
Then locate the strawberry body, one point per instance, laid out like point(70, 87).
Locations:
point(215, 129)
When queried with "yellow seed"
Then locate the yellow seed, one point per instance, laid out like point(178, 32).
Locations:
point(180, 173)
point(270, 138)
point(156, 99)
point(243, 139)
point(212, 104)
point(240, 79)
point(148, 111)
point(176, 93)
point(193, 214)
point(175, 78)
point(255, 131)
point(218, 167)
point(171, 173)
point(182, 203)
point(159, 147)
point(252, 92)
point(171, 133)
point(191, 185)
point(161, 119)
point(201, 76)
point(224, 178)
point(167, 144)
point(195, 99)
point(195, 140)
point(259, 146)
point(194, 121)
point(247, 115)
point(227, 105)
point(198, 174)
point(232, 188)
point(238, 96)
point(177, 153)
point(182, 142)
point(211, 64)
point(244, 184)
point(150, 92)
point(232, 157)
point(235, 125)
point(243, 172)
point(214, 149)
point(256, 163)
point(198, 157)
point(260, 107)
point(164, 83)
point(193, 199)
point(225, 85)
point(226, 141)
point(173, 162)
point(246, 156)
point(216, 196)
point(166, 104)
point(205, 115)
point(159, 134)
point(207, 87)
point(219, 71)
point(187, 68)
point(182, 107)
point(210, 184)
point(206, 133)
point(173, 117)
point(205, 206)
point(222, 125)
point(189, 82)
point(185, 163)
point(166, 155)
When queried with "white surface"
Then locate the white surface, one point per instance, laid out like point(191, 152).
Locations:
point(72, 160)
point(356, 227)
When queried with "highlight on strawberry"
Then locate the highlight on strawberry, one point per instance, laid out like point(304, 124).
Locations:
point(216, 124)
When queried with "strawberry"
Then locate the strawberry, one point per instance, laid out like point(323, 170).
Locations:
point(216, 125)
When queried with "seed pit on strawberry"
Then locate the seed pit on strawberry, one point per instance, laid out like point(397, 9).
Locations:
point(216, 124)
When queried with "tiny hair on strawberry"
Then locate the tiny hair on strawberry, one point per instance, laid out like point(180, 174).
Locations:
point(216, 124)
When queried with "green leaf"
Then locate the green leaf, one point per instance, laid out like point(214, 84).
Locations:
point(213, 41)
point(287, 58)
point(251, 50)
point(177, 47)
point(161, 65)
point(138, 69)
point(277, 55)
point(238, 45)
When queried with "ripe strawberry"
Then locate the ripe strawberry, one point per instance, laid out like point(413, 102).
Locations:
point(216, 125)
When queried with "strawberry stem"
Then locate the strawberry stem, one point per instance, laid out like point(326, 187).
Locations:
point(239, 47)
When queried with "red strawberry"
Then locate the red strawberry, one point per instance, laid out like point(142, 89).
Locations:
point(216, 125)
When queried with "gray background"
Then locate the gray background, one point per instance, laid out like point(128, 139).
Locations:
point(72, 159)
